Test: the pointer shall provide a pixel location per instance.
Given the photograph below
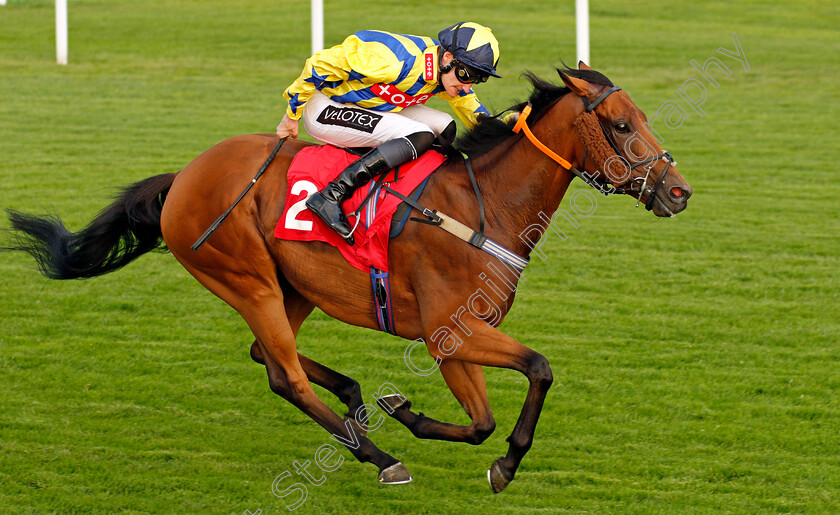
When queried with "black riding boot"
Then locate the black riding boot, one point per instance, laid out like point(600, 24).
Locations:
point(326, 204)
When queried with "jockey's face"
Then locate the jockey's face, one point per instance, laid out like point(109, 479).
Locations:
point(449, 81)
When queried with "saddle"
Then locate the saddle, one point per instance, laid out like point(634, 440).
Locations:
point(314, 167)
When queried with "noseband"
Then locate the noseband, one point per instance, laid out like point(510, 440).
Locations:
point(596, 137)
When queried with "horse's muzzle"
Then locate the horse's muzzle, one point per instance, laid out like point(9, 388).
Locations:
point(672, 200)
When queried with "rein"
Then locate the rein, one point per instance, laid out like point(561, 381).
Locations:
point(475, 238)
point(583, 122)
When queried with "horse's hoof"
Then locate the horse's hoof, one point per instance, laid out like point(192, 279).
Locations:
point(396, 474)
point(496, 478)
point(393, 402)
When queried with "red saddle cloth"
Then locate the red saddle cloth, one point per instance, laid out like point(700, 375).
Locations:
point(314, 167)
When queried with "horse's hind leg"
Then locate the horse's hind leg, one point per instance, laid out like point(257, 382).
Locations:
point(466, 381)
point(251, 287)
point(345, 388)
point(391, 471)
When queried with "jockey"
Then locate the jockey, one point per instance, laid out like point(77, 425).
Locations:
point(368, 92)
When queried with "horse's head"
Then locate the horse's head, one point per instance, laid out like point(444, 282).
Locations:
point(619, 152)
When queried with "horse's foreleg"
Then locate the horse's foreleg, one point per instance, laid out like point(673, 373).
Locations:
point(490, 347)
point(466, 381)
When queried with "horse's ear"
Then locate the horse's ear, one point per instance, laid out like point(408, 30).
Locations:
point(579, 86)
point(582, 66)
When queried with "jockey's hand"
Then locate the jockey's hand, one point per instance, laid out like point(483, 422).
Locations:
point(287, 127)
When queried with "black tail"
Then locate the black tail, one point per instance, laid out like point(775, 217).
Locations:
point(126, 229)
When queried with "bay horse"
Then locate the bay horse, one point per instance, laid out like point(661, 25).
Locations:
point(275, 284)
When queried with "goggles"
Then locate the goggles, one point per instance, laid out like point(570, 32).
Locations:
point(468, 75)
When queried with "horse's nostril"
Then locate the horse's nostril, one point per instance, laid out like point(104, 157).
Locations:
point(680, 194)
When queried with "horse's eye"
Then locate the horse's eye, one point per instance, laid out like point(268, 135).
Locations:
point(622, 127)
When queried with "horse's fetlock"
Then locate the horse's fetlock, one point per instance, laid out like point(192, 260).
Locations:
point(521, 442)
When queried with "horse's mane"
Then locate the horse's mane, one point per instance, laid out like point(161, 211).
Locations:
point(491, 131)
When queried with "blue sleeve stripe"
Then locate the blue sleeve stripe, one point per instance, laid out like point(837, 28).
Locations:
point(326, 84)
point(421, 45)
point(354, 75)
point(394, 46)
point(408, 65)
point(321, 82)
point(294, 103)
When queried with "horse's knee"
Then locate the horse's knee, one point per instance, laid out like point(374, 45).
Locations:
point(539, 372)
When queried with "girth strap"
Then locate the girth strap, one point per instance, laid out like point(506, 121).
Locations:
point(380, 281)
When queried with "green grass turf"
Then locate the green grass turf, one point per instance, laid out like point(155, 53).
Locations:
point(695, 359)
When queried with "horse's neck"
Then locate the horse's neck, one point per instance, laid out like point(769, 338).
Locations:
point(522, 186)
